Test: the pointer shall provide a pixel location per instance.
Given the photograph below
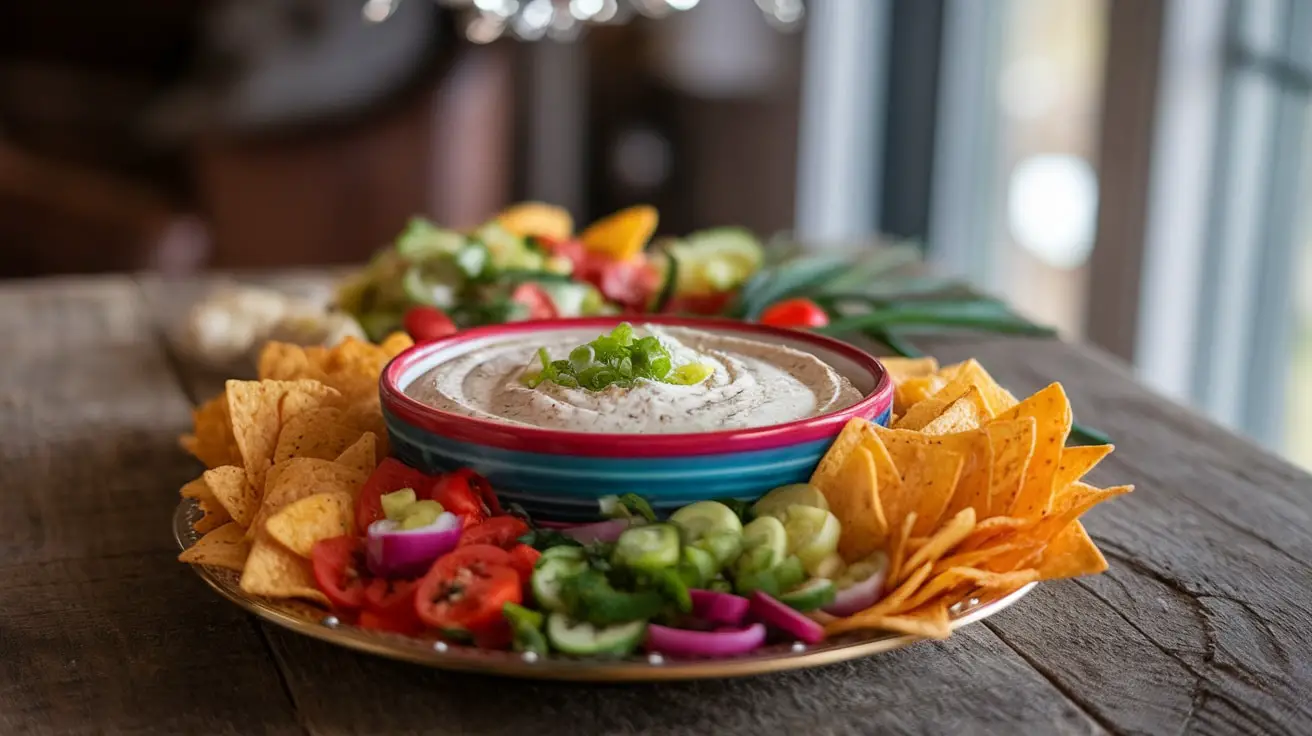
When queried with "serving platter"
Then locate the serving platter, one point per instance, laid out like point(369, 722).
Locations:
point(311, 621)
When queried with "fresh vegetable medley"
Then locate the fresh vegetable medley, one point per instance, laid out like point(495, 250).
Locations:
point(436, 555)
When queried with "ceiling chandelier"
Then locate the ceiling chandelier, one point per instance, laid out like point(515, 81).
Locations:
point(485, 21)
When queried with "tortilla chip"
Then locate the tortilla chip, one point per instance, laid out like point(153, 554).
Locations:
point(196, 489)
point(281, 361)
point(930, 485)
point(260, 408)
point(989, 530)
point(912, 391)
point(1052, 415)
point(946, 584)
point(212, 441)
point(1076, 462)
point(931, 622)
point(361, 456)
point(976, 558)
point(395, 344)
point(964, 414)
point(973, 482)
point(1068, 505)
point(970, 371)
point(1012, 444)
point(899, 547)
point(233, 490)
point(1071, 554)
point(367, 416)
point(835, 458)
point(352, 367)
point(274, 571)
point(901, 593)
point(921, 414)
point(302, 523)
point(315, 433)
point(943, 540)
point(854, 498)
point(224, 547)
point(214, 515)
point(535, 218)
point(900, 369)
point(301, 477)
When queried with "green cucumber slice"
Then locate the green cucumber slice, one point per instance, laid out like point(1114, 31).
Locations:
point(697, 567)
point(814, 593)
point(765, 544)
point(711, 526)
point(716, 260)
point(648, 547)
point(585, 640)
point(567, 551)
point(812, 534)
point(798, 494)
point(550, 573)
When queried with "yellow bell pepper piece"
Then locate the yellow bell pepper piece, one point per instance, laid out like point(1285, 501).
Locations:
point(621, 235)
point(536, 218)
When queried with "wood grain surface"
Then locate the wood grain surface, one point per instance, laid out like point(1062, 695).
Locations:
point(1203, 624)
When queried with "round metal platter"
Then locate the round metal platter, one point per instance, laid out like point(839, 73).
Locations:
point(314, 622)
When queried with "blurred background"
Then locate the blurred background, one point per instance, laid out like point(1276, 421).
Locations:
point(1135, 172)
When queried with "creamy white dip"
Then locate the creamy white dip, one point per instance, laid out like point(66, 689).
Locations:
point(755, 384)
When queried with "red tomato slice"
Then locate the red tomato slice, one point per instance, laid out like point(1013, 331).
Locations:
point(426, 324)
point(483, 489)
point(390, 606)
point(536, 298)
point(390, 475)
point(630, 283)
point(340, 571)
point(523, 558)
point(457, 495)
point(499, 531)
point(464, 591)
point(799, 313)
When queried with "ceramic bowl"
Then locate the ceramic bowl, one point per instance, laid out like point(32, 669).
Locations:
point(560, 475)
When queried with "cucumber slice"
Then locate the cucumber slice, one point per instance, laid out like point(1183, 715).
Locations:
point(784, 576)
point(814, 593)
point(765, 544)
point(567, 551)
point(648, 547)
point(548, 575)
point(585, 640)
point(507, 249)
point(830, 567)
point(812, 534)
point(716, 260)
point(711, 526)
point(698, 566)
point(422, 240)
point(798, 494)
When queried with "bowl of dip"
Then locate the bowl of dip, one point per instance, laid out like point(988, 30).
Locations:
point(773, 402)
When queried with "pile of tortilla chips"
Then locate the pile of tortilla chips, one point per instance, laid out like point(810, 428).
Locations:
point(287, 455)
point(970, 493)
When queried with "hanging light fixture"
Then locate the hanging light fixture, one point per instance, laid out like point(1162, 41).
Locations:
point(485, 21)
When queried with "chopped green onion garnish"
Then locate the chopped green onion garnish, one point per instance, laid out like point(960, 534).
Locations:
point(616, 359)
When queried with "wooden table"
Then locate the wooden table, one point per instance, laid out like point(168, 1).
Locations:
point(1203, 623)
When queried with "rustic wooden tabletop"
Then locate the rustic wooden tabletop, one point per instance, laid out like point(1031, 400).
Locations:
point(1203, 623)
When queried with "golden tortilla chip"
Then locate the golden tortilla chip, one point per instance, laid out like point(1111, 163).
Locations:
point(302, 523)
point(1071, 554)
point(224, 547)
point(361, 456)
point(930, 484)
point(854, 499)
point(535, 218)
point(196, 489)
point(964, 414)
point(952, 582)
point(912, 391)
point(1068, 505)
point(921, 414)
point(1012, 444)
point(976, 558)
point(970, 371)
point(301, 477)
point(989, 530)
point(1076, 462)
point(931, 622)
point(900, 369)
point(899, 548)
point(942, 541)
point(315, 433)
point(260, 408)
point(214, 515)
point(972, 485)
point(281, 361)
point(901, 593)
point(835, 458)
point(1052, 415)
point(395, 344)
point(212, 441)
point(353, 367)
point(273, 571)
point(233, 490)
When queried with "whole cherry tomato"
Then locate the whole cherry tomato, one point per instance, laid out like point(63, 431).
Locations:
point(426, 324)
point(799, 313)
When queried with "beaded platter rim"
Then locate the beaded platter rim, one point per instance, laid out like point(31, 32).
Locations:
point(314, 622)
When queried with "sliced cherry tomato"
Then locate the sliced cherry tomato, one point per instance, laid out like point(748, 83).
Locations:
point(499, 531)
point(536, 298)
point(390, 606)
point(390, 475)
point(455, 493)
point(340, 571)
point(426, 324)
point(463, 592)
point(795, 313)
point(630, 283)
point(523, 558)
point(483, 489)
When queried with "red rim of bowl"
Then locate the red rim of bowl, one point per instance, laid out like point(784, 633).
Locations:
point(560, 442)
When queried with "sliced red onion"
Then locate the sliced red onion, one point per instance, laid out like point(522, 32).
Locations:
point(404, 553)
point(859, 596)
point(718, 608)
point(602, 531)
point(559, 525)
point(783, 617)
point(683, 643)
